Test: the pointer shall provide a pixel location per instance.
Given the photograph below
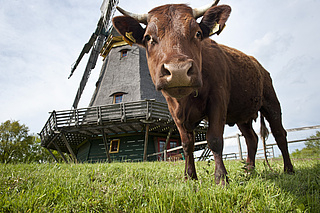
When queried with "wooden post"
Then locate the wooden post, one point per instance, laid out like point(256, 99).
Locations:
point(106, 145)
point(52, 155)
point(59, 150)
point(74, 157)
point(205, 153)
point(146, 142)
point(166, 144)
point(239, 146)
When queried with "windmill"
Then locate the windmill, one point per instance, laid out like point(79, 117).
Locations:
point(125, 106)
point(94, 44)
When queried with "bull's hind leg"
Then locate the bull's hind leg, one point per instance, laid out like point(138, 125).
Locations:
point(251, 141)
point(272, 112)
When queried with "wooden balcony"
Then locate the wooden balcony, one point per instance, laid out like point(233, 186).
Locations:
point(123, 118)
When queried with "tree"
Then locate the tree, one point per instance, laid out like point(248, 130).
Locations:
point(312, 148)
point(14, 141)
point(313, 144)
point(39, 154)
point(17, 145)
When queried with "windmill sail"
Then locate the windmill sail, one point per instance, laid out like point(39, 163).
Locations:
point(86, 48)
point(90, 65)
point(99, 36)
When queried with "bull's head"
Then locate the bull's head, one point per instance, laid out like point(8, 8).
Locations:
point(173, 41)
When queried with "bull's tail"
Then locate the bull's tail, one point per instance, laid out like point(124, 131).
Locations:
point(264, 133)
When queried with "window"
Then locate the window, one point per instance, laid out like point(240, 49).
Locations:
point(172, 143)
point(124, 53)
point(117, 98)
point(161, 145)
point(114, 146)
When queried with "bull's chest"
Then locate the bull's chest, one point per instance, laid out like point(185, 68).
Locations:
point(190, 113)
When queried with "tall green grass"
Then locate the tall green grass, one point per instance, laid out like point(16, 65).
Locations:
point(157, 187)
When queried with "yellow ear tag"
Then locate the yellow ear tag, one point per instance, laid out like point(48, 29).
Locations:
point(129, 38)
point(214, 29)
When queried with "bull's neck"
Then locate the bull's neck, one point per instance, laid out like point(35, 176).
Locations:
point(189, 110)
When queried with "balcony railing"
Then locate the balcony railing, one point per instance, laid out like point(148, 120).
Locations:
point(146, 110)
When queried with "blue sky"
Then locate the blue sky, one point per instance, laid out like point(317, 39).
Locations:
point(40, 39)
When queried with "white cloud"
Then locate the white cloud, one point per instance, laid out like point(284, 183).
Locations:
point(39, 40)
point(271, 45)
point(297, 83)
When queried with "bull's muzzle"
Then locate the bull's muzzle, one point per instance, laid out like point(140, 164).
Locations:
point(177, 74)
point(179, 79)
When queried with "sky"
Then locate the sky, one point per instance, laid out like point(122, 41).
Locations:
point(41, 39)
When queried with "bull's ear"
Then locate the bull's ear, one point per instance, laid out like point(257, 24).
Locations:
point(129, 28)
point(214, 20)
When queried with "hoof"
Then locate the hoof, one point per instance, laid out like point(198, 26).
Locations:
point(221, 179)
point(249, 170)
point(289, 171)
point(191, 176)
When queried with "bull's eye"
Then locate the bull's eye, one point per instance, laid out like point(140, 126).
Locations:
point(199, 35)
point(147, 38)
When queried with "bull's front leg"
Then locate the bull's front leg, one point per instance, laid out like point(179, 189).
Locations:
point(187, 139)
point(220, 172)
point(186, 119)
point(215, 143)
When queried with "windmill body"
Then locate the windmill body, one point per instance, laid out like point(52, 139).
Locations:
point(124, 72)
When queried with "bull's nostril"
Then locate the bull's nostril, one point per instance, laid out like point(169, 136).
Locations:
point(190, 71)
point(165, 71)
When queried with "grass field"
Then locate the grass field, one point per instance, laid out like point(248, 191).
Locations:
point(157, 187)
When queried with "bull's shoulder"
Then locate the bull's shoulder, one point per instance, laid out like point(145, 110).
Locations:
point(234, 62)
point(218, 51)
point(241, 60)
point(236, 55)
point(210, 46)
point(213, 54)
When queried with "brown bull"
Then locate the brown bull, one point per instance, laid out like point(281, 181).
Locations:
point(201, 79)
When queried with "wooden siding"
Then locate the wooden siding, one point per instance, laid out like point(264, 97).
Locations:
point(131, 149)
point(83, 152)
